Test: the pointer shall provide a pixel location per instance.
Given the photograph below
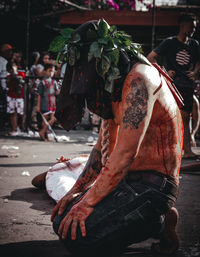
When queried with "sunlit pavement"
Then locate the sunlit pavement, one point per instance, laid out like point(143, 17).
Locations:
point(25, 227)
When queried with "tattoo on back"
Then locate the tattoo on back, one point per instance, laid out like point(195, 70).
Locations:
point(137, 101)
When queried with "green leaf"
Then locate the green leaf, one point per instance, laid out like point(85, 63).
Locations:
point(103, 41)
point(109, 86)
point(90, 56)
point(114, 56)
point(114, 73)
point(99, 69)
point(105, 64)
point(113, 29)
point(103, 28)
point(66, 33)
point(72, 56)
point(57, 44)
point(95, 50)
point(111, 44)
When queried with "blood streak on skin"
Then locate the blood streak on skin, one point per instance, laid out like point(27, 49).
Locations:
point(105, 142)
point(163, 149)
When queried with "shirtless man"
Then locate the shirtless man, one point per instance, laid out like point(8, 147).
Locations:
point(145, 147)
point(129, 185)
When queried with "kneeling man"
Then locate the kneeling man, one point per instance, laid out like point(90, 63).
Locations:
point(130, 183)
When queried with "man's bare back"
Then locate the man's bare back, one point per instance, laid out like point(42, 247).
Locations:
point(161, 147)
point(146, 134)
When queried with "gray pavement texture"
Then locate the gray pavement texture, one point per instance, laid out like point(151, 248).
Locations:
point(25, 227)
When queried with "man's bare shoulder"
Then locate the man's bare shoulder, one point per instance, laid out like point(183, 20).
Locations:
point(147, 73)
point(147, 79)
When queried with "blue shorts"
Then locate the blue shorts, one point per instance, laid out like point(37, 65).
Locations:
point(131, 213)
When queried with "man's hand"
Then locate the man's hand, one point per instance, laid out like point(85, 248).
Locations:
point(171, 73)
point(62, 204)
point(76, 216)
point(191, 74)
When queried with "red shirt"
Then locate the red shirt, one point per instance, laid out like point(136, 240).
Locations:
point(11, 84)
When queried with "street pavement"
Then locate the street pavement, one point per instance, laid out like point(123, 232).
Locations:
point(25, 227)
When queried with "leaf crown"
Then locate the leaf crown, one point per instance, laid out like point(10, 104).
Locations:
point(105, 43)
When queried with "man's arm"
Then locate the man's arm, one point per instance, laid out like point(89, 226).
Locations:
point(193, 74)
point(137, 105)
point(152, 57)
point(38, 102)
point(90, 172)
point(86, 178)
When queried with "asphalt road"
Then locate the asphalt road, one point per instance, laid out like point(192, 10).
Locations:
point(25, 227)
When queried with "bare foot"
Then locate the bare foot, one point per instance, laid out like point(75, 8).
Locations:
point(193, 141)
point(42, 135)
point(39, 180)
point(169, 241)
point(191, 156)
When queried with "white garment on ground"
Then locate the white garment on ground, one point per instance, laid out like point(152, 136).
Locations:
point(62, 176)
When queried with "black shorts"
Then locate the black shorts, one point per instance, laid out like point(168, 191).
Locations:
point(187, 94)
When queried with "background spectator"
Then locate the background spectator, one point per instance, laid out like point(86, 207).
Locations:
point(5, 55)
point(44, 59)
point(181, 56)
point(33, 84)
point(34, 58)
point(19, 60)
point(15, 98)
point(46, 103)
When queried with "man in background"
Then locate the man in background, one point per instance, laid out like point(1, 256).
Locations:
point(181, 55)
point(5, 55)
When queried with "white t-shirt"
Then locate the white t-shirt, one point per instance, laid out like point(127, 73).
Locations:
point(3, 72)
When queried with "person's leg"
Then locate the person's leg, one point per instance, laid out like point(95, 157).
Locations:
point(169, 241)
point(44, 129)
point(20, 112)
point(124, 217)
point(11, 110)
point(188, 153)
point(13, 121)
point(52, 119)
point(195, 120)
point(186, 111)
point(39, 180)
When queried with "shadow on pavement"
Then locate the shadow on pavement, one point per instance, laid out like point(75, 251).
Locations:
point(27, 164)
point(38, 198)
point(55, 248)
point(34, 249)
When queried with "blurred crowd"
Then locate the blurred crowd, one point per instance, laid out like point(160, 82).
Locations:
point(28, 93)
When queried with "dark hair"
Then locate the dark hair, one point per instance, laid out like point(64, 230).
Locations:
point(22, 62)
point(48, 66)
point(9, 66)
point(41, 57)
point(187, 17)
point(33, 57)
